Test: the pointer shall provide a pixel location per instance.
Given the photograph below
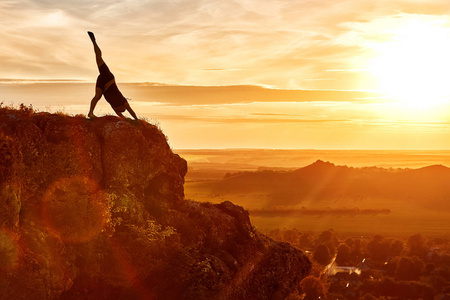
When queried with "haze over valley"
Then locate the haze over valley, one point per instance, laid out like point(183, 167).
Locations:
point(390, 192)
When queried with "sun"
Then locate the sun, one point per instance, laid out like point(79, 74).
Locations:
point(413, 66)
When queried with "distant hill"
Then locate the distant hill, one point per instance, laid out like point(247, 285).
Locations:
point(321, 181)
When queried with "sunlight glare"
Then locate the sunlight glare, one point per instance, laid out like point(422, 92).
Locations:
point(413, 67)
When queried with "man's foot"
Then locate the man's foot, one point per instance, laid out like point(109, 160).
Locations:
point(91, 35)
point(92, 116)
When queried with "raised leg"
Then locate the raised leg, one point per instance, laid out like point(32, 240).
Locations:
point(98, 52)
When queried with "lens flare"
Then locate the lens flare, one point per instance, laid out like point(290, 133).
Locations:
point(75, 209)
point(9, 250)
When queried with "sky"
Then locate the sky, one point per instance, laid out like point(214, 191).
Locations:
point(282, 74)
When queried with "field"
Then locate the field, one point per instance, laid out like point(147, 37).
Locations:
point(405, 216)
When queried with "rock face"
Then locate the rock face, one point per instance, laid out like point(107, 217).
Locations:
point(95, 209)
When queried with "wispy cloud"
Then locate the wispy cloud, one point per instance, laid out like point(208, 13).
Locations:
point(288, 44)
point(246, 120)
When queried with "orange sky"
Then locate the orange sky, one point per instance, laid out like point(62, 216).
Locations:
point(247, 73)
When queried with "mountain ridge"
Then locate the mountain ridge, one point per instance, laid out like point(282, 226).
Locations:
point(322, 180)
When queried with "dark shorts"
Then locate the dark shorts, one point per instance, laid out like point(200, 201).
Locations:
point(112, 94)
point(104, 77)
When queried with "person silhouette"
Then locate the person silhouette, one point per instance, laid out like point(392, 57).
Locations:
point(106, 86)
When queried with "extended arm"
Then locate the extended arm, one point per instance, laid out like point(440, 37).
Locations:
point(125, 106)
point(130, 110)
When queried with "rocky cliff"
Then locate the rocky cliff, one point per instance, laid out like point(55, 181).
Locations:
point(94, 209)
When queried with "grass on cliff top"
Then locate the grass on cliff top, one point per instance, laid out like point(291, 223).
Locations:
point(29, 112)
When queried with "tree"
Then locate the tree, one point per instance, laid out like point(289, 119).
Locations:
point(396, 248)
point(322, 255)
point(343, 254)
point(292, 236)
point(379, 247)
point(391, 266)
point(328, 238)
point(417, 246)
point(355, 245)
point(409, 268)
point(313, 288)
point(307, 241)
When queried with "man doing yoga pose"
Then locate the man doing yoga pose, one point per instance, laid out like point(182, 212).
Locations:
point(106, 85)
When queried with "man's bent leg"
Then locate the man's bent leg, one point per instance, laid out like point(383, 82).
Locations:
point(98, 95)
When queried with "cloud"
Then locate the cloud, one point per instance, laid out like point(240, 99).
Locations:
point(75, 92)
point(39, 42)
point(204, 95)
point(247, 120)
point(287, 44)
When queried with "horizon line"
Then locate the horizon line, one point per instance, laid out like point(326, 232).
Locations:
point(304, 149)
point(163, 84)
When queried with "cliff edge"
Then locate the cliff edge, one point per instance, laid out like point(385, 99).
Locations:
point(95, 209)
